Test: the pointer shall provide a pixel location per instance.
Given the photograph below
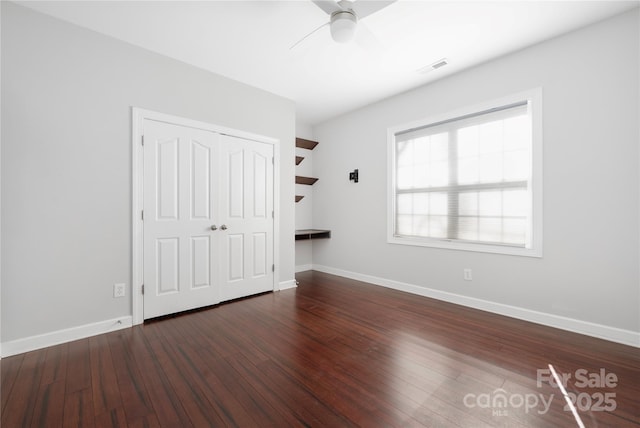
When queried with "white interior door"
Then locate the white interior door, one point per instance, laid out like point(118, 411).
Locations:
point(246, 217)
point(180, 248)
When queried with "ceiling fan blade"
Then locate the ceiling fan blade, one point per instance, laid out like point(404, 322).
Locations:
point(364, 8)
point(328, 6)
point(346, 4)
point(308, 35)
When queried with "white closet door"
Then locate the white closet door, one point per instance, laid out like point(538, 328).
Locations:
point(246, 208)
point(180, 247)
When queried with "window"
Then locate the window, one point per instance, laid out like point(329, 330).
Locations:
point(470, 180)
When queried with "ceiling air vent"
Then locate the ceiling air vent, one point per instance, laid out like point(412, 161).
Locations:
point(440, 63)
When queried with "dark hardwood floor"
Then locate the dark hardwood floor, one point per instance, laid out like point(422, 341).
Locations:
point(333, 352)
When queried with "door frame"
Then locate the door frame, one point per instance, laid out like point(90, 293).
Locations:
point(138, 116)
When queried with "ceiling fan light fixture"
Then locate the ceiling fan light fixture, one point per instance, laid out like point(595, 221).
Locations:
point(343, 26)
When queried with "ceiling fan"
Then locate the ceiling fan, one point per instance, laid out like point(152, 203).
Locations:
point(344, 16)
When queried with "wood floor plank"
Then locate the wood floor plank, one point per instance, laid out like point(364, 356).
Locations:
point(318, 377)
point(134, 395)
point(216, 404)
point(169, 410)
point(79, 362)
point(114, 418)
point(149, 421)
point(49, 407)
point(326, 361)
point(10, 368)
point(21, 402)
point(304, 402)
point(260, 391)
point(242, 389)
point(221, 398)
point(191, 397)
point(55, 365)
point(332, 352)
point(78, 409)
point(106, 393)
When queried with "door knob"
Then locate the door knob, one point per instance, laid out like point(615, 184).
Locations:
point(223, 227)
point(214, 227)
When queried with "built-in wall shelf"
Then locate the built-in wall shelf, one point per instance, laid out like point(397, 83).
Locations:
point(305, 180)
point(309, 145)
point(306, 144)
point(305, 234)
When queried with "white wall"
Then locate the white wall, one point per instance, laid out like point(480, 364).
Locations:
point(0, 188)
point(589, 272)
point(67, 95)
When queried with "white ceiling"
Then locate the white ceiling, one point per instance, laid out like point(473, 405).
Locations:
point(250, 41)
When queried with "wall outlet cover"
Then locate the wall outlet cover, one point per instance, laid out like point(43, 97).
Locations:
point(118, 290)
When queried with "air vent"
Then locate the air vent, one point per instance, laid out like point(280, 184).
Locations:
point(440, 63)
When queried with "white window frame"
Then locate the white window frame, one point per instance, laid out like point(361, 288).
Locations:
point(534, 97)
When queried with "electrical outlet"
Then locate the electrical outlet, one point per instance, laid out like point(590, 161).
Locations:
point(467, 275)
point(118, 290)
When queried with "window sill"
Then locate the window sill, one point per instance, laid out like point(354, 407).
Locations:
point(463, 246)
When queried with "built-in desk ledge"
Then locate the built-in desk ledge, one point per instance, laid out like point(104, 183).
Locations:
point(312, 234)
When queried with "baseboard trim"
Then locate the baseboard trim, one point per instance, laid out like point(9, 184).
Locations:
point(613, 334)
point(302, 268)
point(40, 341)
point(285, 285)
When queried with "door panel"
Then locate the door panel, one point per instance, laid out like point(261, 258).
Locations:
point(235, 184)
point(235, 249)
point(246, 202)
point(200, 261)
point(259, 185)
point(200, 180)
point(180, 249)
point(259, 254)
point(168, 262)
point(167, 189)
